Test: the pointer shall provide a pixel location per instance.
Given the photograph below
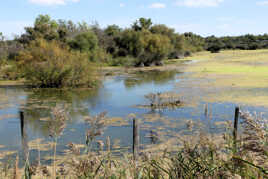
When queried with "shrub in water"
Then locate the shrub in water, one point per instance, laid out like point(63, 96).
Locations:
point(49, 64)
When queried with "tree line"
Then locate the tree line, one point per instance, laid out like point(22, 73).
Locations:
point(243, 42)
point(54, 53)
point(144, 43)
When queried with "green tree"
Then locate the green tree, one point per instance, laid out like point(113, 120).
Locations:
point(142, 24)
point(194, 42)
point(155, 48)
point(163, 30)
point(85, 42)
point(129, 43)
point(113, 33)
point(216, 46)
point(112, 30)
point(44, 27)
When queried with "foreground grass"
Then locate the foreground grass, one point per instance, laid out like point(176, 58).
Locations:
point(232, 76)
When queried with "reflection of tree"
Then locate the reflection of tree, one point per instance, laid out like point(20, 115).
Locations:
point(40, 102)
point(10, 97)
point(155, 76)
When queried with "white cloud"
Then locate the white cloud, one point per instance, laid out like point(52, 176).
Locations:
point(52, 2)
point(262, 3)
point(158, 5)
point(199, 3)
point(122, 5)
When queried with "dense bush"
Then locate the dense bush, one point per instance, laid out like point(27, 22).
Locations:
point(244, 42)
point(193, 42)
point(48, 64)
point(9, 71)
point(146, 47)
point(85, 42)
point(127, 61)
point(155, 48)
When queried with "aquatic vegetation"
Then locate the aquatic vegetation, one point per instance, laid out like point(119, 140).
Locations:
point(163, 100)
point(229, 76)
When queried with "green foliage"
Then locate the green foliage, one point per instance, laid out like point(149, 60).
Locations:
point(145, 43)
point(215, 46)
point(112, 30)
point(9, 71)
point(85, 42)
point(122, 61)
point(155, 48)
point(47, 64)
point(99, 56)
point(3, 52)
point(142, 24)
point(146, 47)
point(244, 42)
point(194, 43)
point(44, 27)
point(8, 50)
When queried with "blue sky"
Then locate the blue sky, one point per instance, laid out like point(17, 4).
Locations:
point(204, 17)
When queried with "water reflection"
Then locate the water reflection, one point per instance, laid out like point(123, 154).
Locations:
point(39, 102)
point(152, 76)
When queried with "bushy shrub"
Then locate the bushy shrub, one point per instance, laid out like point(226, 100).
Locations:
point(48, 64)
point(214, 49)
point(99, 55)
point(85, 42)
point(146, 47)
point(122, 61)
point(155, 48)
point(9, 71)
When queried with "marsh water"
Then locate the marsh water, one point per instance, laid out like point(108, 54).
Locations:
point(119, 96)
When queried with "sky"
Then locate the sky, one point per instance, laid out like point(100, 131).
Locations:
point(204, 17)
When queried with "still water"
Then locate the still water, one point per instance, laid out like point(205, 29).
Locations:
point(118, 96)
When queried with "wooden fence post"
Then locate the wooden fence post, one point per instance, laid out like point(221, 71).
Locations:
point(206, 110)
point(136, 139)
point(24, 136)
point(235, 125)
point(22, 123)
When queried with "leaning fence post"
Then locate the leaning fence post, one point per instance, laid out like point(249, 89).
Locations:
point(23, 136)
point(22, 123)
point(136, 139)
point(206, 110)
point(235, 125)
